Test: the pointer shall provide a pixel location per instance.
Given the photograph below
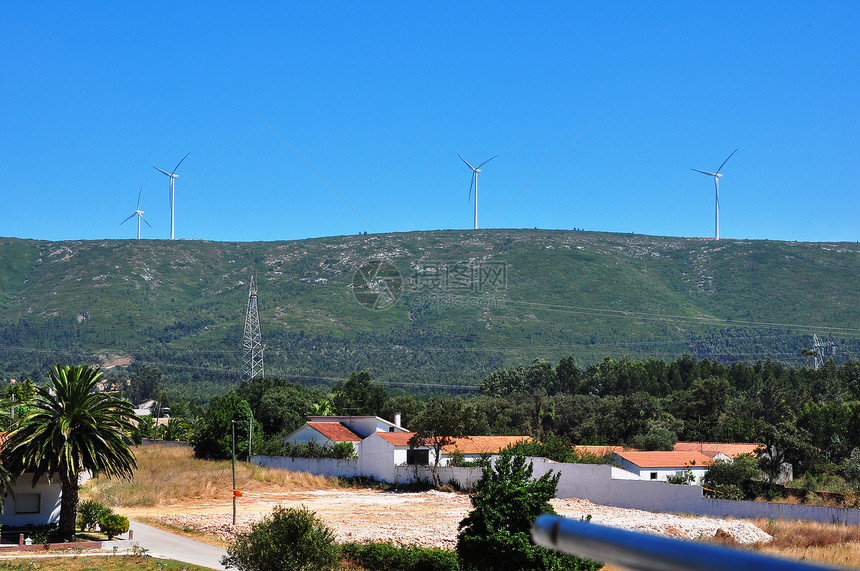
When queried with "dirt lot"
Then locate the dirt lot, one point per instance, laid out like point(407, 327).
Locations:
point(422, 518)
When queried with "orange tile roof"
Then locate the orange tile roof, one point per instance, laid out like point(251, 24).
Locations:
point(397, 438)
point(666, 459)
point(730, 449)
point(335, 431)
point(482, 444)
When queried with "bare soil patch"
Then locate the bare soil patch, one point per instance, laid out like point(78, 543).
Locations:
point(422, 518)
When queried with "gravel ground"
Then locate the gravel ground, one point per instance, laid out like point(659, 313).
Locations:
point(429, 518)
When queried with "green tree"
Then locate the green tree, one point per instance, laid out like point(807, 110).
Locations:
point(497, 532)
point(176, 429)
point(277, 404)
point(69, 430)
point(290, 538)
point(214, 437)
point(145, 384)
point(358, 396)
point(438, 424)
point(731, 480)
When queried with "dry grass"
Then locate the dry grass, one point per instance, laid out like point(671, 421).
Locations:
point(168, 475)
point(828, 543)
point(95, 563)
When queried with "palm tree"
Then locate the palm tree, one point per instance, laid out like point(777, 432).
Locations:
point(70, 430)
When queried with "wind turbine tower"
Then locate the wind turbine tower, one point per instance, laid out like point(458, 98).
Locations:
point(139, 213)
point(252, 342)
point(717, 176)
point(475, 171)
point(173, 176)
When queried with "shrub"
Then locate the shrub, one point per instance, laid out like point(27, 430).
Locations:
point(388, 557)
point(90, 512)
point(113, 524)
point(682, 477)
point(558, 448)
point(740, 473)
point(289, 538)
point(497, 532)
point(313, 449)
point(728, 492)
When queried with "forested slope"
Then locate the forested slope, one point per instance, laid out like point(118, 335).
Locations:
point(451, 306)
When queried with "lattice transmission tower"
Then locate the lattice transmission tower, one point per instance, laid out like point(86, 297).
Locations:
point(822, 349)
point(252, 342)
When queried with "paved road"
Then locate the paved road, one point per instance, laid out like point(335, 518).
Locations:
point(171, 546)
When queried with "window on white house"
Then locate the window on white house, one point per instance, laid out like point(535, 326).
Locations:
point(417, 457)
point(28, 503)
point(653, 475)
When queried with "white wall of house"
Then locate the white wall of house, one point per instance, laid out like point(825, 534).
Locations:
point(24, 504)
point(377, 458)
point(663, 474)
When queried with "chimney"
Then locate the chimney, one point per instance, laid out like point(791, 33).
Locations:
point(397, 419)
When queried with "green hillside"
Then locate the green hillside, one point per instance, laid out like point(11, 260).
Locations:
point(464, 304)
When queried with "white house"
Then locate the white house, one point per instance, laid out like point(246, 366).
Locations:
point(25, 504)
point(381, 452)
point(327, 430)
point(658, 466)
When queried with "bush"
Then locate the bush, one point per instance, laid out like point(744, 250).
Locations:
point(740, 473)
point(290, 538)
point(682, 477)
point(497, 532)
point(313, 449)
point(113, 524)
point(90, 512)
point(558, 448)
point(388, 557)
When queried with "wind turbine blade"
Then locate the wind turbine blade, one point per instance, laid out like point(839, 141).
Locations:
point(127, 219)
point(144, 219)
point(465, 161)
point(138, 197)
point(727, 160)
point(705, 172)
point(471, 184)
point(161, 171)
point(485, 162)
point(180, 162)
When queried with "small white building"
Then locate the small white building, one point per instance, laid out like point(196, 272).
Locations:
point(658, 466)
point(25, 504)
point(327, 430)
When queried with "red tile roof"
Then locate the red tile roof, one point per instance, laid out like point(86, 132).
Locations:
point(397, 438)
point(730, 449)
point(482, 444)
point(335, 431)
point(666, 459)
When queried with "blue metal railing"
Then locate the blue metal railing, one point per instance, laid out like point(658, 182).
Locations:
point(644, 552)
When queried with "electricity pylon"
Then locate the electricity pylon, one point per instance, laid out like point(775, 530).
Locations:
point(252, 342)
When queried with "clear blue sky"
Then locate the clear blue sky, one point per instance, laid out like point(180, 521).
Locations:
point(380, 97)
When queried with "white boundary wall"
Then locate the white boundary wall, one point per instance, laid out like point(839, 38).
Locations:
point(599, 483)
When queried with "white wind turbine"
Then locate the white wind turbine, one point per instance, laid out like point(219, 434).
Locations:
point(173, 176)
point(475, 171)
point(717, 177)
point(139, 213)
